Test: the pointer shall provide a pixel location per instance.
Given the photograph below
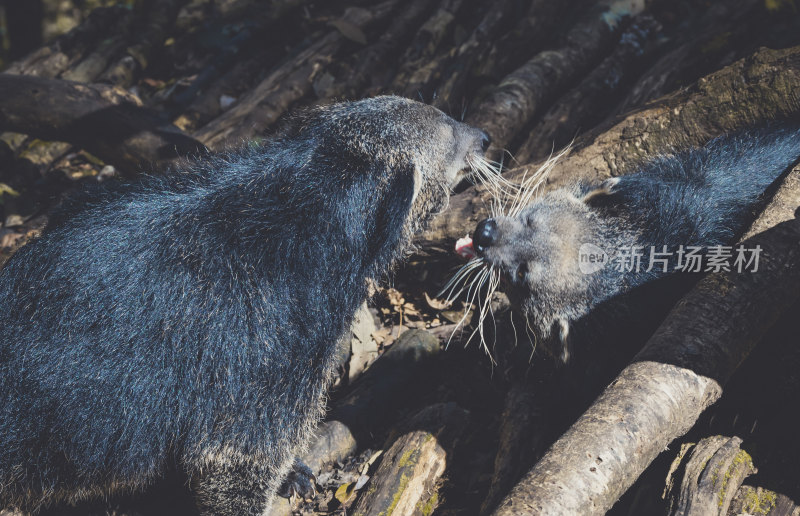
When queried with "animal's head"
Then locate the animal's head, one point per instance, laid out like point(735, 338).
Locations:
point(392, 159)
point(397, 136)
point(538, 255)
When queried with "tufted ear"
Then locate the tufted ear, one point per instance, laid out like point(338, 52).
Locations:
point(601, 193)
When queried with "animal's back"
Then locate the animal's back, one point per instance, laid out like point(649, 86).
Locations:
point(703, 196)
point(108, 354)
point(82, 335)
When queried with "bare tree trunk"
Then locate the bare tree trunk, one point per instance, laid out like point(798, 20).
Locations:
point(106, 120)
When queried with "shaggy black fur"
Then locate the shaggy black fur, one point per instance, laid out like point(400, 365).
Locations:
point(700, 197)
point(192, 318)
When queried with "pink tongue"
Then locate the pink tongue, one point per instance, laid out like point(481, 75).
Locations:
point(464, 247)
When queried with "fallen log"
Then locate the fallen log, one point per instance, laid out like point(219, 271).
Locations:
point(521, 94)
point(757, 500)
point(588, 103)
point(374, 59)
point(85, 66)
point(441, 77)
point(396, 377)
point(522, 430)
point(105, 120)
point(407, 479)
point(93, 64)
point(374, 399)
point(679, 372)
point(264, 33)
point(415, 65)
point(702, 44)
point(710, 473)
point(289, 82)
point(457, 68)
point(55, 57)
point(754, 90)
point(160, 18)
point(534, 29)
point(206, 106)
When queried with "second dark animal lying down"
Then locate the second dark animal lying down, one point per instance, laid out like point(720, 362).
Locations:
point(569, 262)
point(193, 318)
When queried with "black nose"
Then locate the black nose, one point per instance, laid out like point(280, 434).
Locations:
point(485, 234)
point(485, 141)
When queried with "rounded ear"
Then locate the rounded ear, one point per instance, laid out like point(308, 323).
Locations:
point(600, 194)
point(394, 192)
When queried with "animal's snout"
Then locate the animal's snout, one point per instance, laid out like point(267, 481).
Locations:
point(485, 140)
point(485, 235)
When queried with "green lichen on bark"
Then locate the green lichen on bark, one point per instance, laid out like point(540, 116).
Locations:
point(743, 460)
point(757, 501)
point(426, 508)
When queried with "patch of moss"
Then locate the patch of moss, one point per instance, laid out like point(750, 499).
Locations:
point(427, 508)
point(409, 458)
point(758, 501)
point(742, 458)
point(396, 498)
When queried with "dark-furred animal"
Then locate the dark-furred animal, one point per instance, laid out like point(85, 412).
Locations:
point(192, 318)
point(698, 198)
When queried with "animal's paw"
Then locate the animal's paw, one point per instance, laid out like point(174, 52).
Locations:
point(300, 482)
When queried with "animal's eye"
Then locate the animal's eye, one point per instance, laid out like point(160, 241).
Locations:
point(522, 271)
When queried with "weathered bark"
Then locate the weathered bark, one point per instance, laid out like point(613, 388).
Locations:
point(373, 399)
point(757, 500)
point(265, 103)
point(588, 103)
point(678, 373)
point(107, 121)
point(522, 432)
point(160, 18)
point(515, 101)
point(459, 64)
point(406, 481)
point(753, 90)
point(698, 52)
point(52, 59)
point(710, 473)
point(370, 65)
point(392, 380)
point(537, 27)
point(92, 65)
point(415, 67)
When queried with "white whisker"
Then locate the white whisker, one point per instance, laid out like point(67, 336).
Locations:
point(470, 300)
point(462, 273)
point(478, 279)
point(513, 327)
